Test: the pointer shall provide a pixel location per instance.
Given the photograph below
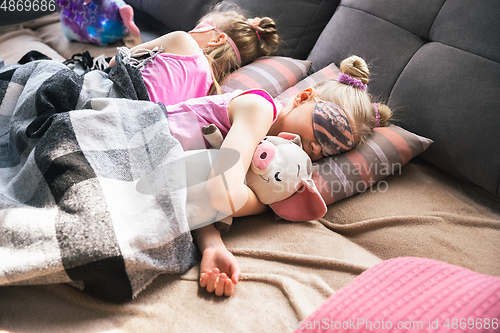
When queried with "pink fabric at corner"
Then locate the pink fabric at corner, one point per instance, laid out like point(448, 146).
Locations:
point(411, 295)
point(172, 78)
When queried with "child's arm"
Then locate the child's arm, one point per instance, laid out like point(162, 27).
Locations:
point(251, 116)
point(219, 269)
point(176, 42)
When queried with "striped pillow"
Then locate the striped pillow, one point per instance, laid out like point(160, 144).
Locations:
point(273, 74)
point(327, 73)
point(387, 149)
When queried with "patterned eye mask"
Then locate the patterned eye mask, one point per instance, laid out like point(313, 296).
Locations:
point(332, 128)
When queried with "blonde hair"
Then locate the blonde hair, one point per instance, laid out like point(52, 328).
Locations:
point(356, 103)
point(251, 42)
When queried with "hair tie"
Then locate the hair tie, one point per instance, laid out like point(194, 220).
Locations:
point(254, 23)
point(377, 115)
point(349, 80)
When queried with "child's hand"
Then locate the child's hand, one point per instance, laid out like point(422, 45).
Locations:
point(219, 271)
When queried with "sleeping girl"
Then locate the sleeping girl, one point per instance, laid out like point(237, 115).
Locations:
point(180, 65)
point(331, 118)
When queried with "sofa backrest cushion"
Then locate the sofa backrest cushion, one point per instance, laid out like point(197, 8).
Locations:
point(437, 65)
point(299, 22)
point(174, 14)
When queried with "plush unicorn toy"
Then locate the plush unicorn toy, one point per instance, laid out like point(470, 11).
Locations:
point(96, 21)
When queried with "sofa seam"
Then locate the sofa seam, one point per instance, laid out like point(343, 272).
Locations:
point(309, 24)
point(396, 25)
point(383, 19)
point(400, 73)
point(434, 21)
point(441, 43)
point(427, 38)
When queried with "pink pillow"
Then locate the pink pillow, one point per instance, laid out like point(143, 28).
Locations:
point(386, 151)
point(273, 74)
point(326, 73)
point(347, 174)
point(410, 295)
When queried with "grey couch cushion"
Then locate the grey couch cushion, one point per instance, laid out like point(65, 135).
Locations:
point(375, 44)
point(174, 14)
point(451, 96)
point(299, 22)
point(436, 63)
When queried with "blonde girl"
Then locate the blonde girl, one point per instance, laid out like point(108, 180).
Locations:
point(331, 118)
point(349, 92)
point(182, 65)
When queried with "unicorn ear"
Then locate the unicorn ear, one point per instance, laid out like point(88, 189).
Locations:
point(295, 138)
point(304, 205)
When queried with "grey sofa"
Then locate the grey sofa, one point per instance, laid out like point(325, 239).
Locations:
point(437, 65)
point(435, 62)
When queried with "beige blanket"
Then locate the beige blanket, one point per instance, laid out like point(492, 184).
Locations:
point(289, 269)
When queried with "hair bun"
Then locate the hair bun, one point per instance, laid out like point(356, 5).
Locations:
point(268, 34)
point(385, 114)
point(355, 67)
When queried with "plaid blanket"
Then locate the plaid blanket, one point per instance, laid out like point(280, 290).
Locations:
point(72, 149)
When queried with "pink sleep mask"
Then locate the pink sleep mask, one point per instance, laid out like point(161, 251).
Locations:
point(205, 25)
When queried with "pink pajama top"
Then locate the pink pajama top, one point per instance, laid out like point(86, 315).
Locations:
point(172, 78)
point(186, 119)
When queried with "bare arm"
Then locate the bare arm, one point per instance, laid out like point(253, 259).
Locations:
point(251, 117)
point(177, 42)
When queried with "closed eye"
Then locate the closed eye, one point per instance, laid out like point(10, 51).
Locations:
point(276, 176)
point(298, 171)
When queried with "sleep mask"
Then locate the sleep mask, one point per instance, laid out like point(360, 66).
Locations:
point(332, 128)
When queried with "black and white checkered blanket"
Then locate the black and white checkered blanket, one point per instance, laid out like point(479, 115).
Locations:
point(72, 149)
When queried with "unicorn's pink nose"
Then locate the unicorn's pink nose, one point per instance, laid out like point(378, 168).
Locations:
point(263, 155)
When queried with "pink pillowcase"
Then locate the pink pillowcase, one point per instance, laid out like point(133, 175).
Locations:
point(410, 295)
point(273, 74)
